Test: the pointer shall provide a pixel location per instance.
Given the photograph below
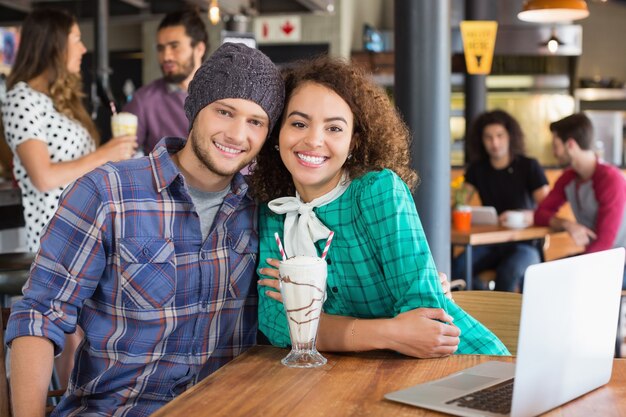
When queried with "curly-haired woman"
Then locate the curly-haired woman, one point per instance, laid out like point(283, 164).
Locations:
point(342, 158)
point(52, 137)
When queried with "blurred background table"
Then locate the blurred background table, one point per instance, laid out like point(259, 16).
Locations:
point(487, 235)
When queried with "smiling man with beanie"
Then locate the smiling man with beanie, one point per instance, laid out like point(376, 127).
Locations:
point(153, 257)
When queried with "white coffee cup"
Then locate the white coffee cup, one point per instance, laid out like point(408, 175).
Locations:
point(515, 219)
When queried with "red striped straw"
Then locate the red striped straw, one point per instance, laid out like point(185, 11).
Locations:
point(280, 247)
point(330, 239)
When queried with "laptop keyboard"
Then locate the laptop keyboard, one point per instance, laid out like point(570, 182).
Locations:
point(496, 398)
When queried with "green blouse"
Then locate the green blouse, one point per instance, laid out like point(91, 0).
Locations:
point(379, 263)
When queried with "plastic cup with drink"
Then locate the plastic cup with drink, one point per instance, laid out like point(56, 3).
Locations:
point(123, 124)
point(462, 218)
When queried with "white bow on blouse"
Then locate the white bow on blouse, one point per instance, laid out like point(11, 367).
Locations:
point(302, 228)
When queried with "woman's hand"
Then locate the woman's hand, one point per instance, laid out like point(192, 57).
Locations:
point(119, 148)
point(273, 281)
point(423, 333)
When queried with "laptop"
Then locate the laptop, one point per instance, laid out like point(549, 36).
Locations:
point(567, 333)
point(484, 215)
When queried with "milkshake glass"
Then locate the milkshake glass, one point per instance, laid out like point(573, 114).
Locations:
point(123, 123)
point(303, 288)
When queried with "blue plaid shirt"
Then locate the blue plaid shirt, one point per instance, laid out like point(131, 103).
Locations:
point(123, 257)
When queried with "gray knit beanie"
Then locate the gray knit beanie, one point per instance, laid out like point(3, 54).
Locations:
point(237, 71)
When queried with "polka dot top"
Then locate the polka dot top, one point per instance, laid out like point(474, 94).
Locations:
point(29, 114)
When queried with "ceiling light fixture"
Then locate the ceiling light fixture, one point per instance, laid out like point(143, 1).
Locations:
point(553, 43)
point(214, 12)
point(551, 11)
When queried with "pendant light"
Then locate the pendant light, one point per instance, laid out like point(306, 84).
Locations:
point(214, 12)
point(553, 43)
point(551, 11)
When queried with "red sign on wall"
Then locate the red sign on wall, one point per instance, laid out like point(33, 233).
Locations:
point(277, 29)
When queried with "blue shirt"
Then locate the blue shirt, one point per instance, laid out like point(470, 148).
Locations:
point(123, 257)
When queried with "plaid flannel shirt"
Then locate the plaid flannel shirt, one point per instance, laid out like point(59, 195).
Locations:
point(123, 257)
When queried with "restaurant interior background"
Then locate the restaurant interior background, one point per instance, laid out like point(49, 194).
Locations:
point(587, 72)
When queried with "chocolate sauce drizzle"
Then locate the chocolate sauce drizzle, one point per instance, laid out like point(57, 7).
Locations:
point(288, 280)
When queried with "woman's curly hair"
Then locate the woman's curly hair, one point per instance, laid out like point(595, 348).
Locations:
point(380, 138)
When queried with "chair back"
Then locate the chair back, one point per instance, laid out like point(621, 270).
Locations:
point(499, 311)
point(4, 385)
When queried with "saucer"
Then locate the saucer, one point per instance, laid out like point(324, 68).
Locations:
point(515, 226)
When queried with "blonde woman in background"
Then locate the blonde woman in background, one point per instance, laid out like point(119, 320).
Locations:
point(46, 125)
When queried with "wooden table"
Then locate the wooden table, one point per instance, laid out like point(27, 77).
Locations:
point(489, 234)
point(257, 384)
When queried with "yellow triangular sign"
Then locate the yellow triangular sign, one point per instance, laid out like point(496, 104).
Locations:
point(479, 40)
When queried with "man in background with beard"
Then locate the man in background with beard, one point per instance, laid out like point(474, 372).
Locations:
point(182, 42)
point(595, 190)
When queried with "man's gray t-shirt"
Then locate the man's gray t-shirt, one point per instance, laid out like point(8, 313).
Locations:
point(207, 205)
